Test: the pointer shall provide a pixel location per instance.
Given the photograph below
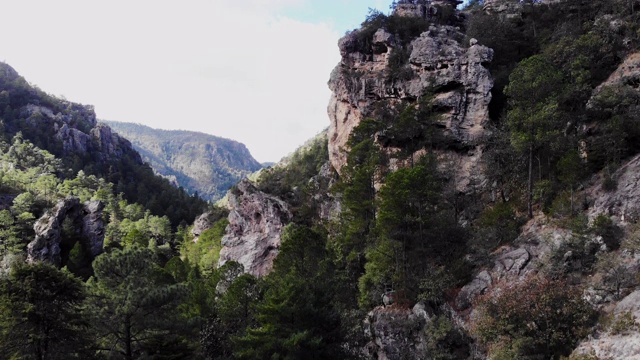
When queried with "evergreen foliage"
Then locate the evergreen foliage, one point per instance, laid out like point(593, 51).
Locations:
point(40, 314)
point(133, 304)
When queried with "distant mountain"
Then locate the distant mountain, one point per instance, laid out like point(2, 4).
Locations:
point(195, 161)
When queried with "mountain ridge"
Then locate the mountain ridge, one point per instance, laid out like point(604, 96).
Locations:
point(198, 162)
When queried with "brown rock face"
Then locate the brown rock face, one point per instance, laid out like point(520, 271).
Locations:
point(51, 245)
point(255, 224)
point(456, 74)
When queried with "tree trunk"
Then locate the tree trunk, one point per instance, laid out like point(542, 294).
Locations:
point(127, 338)
point(530, 184)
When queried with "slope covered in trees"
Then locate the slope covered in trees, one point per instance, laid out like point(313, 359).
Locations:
point(70, 132)
point(202, 163)
point(390, 257)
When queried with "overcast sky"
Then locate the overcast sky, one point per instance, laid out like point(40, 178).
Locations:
point(250, 70)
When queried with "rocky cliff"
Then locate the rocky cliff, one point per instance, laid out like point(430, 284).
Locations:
point(198, 162)
point(68, 223)
point(439, 63)
point(252, 237)
point(78, 131)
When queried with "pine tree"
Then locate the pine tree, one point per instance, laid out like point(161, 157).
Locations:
point(134, 306)
point(40, 315)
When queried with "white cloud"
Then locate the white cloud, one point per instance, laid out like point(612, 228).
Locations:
point(229, 68)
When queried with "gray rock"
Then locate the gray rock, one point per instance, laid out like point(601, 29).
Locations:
point(85, 218)
point(438, 61)
point(511, 263)
point(625, 345)
point(475, 288)
point(396, 333)
point(200, 225)
point(252, 237)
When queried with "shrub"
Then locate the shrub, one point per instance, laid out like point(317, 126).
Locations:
point(610, 232)
point(535, 317)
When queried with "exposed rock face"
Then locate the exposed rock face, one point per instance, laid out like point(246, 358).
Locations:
point(255, 224)
point(399, 333)
point(623, 345)
point(86, 219)
point(200, 225)
point(109, 143)
point(79, 132)
point(626, 75)
point(438, 61)
point(396, 333)
point(514, 262)
point(623, 203)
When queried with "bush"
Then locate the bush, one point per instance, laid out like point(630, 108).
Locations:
point(499, 224)
point(535, 317)
point(610, 232)
point(574, 256)
point(623, 322)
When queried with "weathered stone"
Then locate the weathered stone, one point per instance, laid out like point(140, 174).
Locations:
point(396, 333)
point(200, 225)
point(626, 75)
point(87, 222)
point(623, 345)
point(511, 263)
point(255, 224)
point(93, 227)
point(458, 76)
point(73, 140)
point(623, 203)
point(112, 145)
point(475, 288)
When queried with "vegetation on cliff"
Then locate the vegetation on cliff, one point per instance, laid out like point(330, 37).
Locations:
point(394, 230)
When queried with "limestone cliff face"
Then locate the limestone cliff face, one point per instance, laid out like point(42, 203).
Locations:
point(252, 237)
point(79, 132)
point(439, 62)
point(52, 245)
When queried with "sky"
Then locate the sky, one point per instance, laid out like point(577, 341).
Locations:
point(254, 71)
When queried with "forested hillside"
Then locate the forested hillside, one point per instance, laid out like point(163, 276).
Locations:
point(475, 197)
point(202, 163)
point(70, 132)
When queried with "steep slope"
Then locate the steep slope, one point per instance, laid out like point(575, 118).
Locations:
point(425, 59)
point(198, 162)
point(437, 254)
point(71, 132)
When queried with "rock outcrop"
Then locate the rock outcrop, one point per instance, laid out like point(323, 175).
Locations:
point(514, 262)
point(621, 343)
point(79, 132)
point(400, 333)
point(623, 203)
point(200, 225)
point(53, 245)
point(252, 237)
point(455, 73)
point(396, 333)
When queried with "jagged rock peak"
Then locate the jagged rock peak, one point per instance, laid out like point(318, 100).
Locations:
point(252, 237)
point(438, 62)
point(51, 244)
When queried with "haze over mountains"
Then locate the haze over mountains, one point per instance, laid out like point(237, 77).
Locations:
point(202, 163)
